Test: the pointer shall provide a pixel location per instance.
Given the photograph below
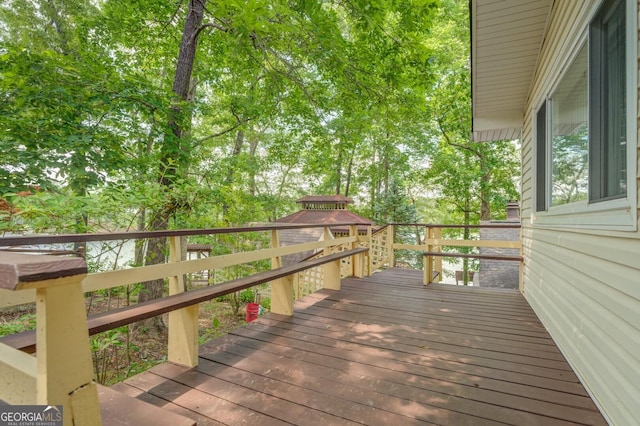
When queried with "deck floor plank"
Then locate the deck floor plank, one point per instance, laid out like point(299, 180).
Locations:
point(478, 391)
point(383, 350)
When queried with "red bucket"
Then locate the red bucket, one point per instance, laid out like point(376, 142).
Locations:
point(253, 309)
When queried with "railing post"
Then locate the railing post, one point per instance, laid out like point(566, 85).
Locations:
point(64, 370)
point(432, 264)
point(183, 323)
point(437, 262)
point(331, 275)
point(331, 270)
point(371, 253)
point(428, 259)
point(390, 254)
point(357, 261)
point(282, 288)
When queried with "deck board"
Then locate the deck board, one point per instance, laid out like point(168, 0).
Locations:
point(383, 350)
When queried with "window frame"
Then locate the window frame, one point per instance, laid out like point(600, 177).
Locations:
point(541, 166)
point(618, 213)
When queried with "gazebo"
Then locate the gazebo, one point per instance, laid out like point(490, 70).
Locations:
point(319, 209)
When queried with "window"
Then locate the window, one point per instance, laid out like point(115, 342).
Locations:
point(608, 103)
point(570, 135)
point(541, 156)
point(582, 127)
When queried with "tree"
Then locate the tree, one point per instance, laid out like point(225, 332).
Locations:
point(175, 149)
point(475, 177)
point(208, 113)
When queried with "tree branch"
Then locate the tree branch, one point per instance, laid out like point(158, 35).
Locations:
point(179, 6)
point(224, 132)
point(457, 145)
point(195, 35)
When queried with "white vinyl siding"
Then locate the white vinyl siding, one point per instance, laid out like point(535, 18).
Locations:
point(584, 281)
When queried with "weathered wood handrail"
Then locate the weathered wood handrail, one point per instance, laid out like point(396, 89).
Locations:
point(26, 341)
point(110, 279)
point(114, 236)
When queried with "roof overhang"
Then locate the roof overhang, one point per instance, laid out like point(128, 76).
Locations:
point(506, 37)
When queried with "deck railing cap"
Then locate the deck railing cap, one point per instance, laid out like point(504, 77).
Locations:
point(18, 268)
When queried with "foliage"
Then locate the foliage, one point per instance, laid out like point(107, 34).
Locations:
point(569, 176)
point(475, 179)
point(285, 99)
point(22, 323)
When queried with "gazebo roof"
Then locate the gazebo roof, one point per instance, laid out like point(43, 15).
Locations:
point(324, 216)
point(325, 199)
point(318, 209)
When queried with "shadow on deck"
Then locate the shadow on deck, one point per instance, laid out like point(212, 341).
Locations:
point(383, 350)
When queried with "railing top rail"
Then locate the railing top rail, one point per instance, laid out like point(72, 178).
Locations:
point(17, 269)
point(498, 224)
point(111, 236)
point(381, 229)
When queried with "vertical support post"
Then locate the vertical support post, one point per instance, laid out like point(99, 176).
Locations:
point(331, 275)
point(428, 259)
point(183, 323)
point(371, 253)
point(437, 262)
point(390, 239)
point(64, 366)
point(357, 261)
point(282, 288)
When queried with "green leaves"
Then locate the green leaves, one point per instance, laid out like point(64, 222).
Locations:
point(330, 96)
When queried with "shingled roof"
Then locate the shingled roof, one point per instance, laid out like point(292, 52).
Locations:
point(324, 209)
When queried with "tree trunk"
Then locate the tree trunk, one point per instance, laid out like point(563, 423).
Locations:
point(347, 185)
point(485, 189)
point(339, 171)
point(174, 156)
point(237, 149)
point(253, 147)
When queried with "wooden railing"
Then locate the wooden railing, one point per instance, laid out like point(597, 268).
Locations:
point(433, 244)
point(61, 373)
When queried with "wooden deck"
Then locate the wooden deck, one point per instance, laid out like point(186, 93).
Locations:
point(383, 350)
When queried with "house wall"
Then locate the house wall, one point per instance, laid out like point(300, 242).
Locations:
point(583, 282)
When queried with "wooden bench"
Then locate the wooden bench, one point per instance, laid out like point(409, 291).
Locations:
point(26, 341)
